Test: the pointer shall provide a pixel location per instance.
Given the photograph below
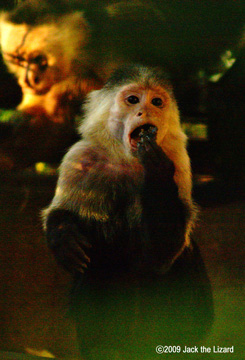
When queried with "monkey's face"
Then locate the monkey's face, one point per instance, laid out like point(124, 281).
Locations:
point(37, 62)
point(138, 107)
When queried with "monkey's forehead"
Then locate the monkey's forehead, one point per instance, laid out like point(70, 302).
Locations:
point(138, 87)
point(146, 76)
point(11, 35)
point(19, 36)
point(54, 39)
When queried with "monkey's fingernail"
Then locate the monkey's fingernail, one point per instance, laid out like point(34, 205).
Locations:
point(87, 258)
point(85, 243)
point(80, 270)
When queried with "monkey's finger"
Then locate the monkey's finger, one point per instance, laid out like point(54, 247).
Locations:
point(153, 146)
point(78, 251)
point(75, 267)
point(75, 263)
point(78, 266)
point(149, 152)
point(156, 155)
point(81, 267)
point(68, 261)
point(79, 238)
point(83, 241)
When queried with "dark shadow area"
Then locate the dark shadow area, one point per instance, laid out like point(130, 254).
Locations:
point(34, 301)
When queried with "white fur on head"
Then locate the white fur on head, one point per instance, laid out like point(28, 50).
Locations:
point(94, 125)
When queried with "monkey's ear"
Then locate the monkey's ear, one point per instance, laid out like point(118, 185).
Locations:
point(98, 99)
point(96, 111)
point(92, 100)
point(73, 34)
point(95, 94)
point(77, 20)
point(77, 16)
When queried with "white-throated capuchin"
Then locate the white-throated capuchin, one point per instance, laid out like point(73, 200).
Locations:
point(120, 222)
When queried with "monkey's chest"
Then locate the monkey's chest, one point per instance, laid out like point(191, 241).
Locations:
point(112, 197)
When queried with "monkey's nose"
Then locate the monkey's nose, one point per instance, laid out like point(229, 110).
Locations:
point(32, 78)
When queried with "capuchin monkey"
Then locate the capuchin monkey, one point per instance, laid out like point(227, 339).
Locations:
point(120, 222)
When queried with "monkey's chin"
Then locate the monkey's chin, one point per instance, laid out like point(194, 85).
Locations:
point(146, 130)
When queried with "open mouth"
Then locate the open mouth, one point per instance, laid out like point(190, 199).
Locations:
point(139, 132)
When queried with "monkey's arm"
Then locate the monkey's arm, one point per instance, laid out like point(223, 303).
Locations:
point(164, 214)
point(66, 241)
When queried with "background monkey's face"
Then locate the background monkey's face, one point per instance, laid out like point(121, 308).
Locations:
point(41, 56)
point(30, 58)
point(139, 107)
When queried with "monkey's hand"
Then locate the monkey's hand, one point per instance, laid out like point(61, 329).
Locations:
point(164, 214)
point(157, 165)
point(67, 242)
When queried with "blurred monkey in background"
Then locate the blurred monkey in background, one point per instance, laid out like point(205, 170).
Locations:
point(58, 53)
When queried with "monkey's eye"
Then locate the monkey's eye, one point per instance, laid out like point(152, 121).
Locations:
point(132, 99)
point(157, 102)
point(41, 61)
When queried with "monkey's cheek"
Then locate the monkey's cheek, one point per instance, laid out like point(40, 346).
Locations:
point(161, 135)
point(43, 84)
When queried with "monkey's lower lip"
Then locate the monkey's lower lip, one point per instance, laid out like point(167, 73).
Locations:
point(136, 134)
